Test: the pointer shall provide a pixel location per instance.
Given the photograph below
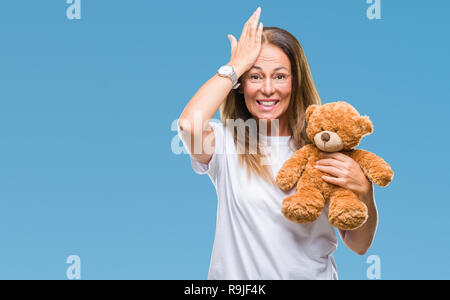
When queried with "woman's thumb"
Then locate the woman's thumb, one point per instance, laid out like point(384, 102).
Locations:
point(232, 41)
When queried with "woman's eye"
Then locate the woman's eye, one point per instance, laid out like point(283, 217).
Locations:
point(279, 76)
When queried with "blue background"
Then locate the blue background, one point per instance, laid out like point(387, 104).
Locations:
point(86, 107)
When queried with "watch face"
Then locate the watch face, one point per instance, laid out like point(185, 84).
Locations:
point(225, 70)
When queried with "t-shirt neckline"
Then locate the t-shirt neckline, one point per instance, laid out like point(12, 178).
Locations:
point(275, 139)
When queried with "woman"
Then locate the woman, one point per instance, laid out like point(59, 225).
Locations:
point(253, 239)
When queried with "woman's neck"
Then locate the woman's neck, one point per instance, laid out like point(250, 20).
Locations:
point(276, 128)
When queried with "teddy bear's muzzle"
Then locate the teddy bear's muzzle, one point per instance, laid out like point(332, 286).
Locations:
point(328, 141)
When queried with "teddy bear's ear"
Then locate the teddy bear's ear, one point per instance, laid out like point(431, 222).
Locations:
point(365, 125)
point(309, 111)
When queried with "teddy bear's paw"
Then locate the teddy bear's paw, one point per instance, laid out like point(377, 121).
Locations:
point(348, 217)
point(296, 209)
point(381, 175)
point(383, 179)
point(284, 182)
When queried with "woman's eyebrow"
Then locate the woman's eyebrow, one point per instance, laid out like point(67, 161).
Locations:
point(276, 69)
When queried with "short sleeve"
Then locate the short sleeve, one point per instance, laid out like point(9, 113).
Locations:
point(213, 167)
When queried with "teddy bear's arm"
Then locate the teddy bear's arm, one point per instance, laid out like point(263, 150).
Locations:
point(374, 167)
point(293, 168)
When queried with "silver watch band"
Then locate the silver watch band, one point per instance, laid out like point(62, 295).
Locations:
point(234, 79)
point(233, 76)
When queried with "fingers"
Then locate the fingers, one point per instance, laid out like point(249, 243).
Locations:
point(334, 180)
point(245, 49)
point(253, 24)
point(337, 155)
point(259, 33)
point(331, 162)
point(233, 43)
point(248, 24)
point(331, 170)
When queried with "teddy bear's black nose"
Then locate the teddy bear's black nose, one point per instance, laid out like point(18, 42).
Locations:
point(325, 137)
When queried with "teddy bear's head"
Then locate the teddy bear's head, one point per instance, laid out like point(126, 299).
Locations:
point(336, 126)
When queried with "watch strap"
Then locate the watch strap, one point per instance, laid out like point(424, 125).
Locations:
point(233, 77)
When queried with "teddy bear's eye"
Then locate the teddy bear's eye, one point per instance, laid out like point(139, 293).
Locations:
point(321, 128)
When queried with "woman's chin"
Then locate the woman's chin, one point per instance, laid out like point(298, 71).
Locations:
point(268, 116)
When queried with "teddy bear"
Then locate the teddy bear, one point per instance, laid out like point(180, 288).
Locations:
point(331, 127)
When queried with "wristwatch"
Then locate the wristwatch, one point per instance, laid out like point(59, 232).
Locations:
point(228, 71)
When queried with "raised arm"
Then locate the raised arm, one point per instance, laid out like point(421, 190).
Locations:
point(293, 168)
point(374, 167)
point(193, 122)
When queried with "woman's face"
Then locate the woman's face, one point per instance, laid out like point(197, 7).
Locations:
point(267, 85)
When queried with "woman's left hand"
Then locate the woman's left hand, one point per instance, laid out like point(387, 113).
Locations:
point(345, 173)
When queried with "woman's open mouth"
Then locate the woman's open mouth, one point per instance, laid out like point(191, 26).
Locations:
point(267, 104)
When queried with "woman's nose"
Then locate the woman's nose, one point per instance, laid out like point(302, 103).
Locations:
point(268, 88)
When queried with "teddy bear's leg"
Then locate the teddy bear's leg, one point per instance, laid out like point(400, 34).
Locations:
point(305, 205)
point(346, 211)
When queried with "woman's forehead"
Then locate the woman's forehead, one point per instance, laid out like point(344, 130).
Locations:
point(271, 58)
point(273, 69)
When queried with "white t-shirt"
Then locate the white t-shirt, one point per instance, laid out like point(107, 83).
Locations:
point(253, 239)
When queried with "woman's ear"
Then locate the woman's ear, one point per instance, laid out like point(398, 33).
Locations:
point(309, 111)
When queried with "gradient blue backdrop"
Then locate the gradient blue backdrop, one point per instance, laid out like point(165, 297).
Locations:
point(86, 107)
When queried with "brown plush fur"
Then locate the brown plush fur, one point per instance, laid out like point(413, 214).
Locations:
point(347, 128)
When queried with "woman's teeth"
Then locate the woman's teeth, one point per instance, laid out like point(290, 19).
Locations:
point(267, 103)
